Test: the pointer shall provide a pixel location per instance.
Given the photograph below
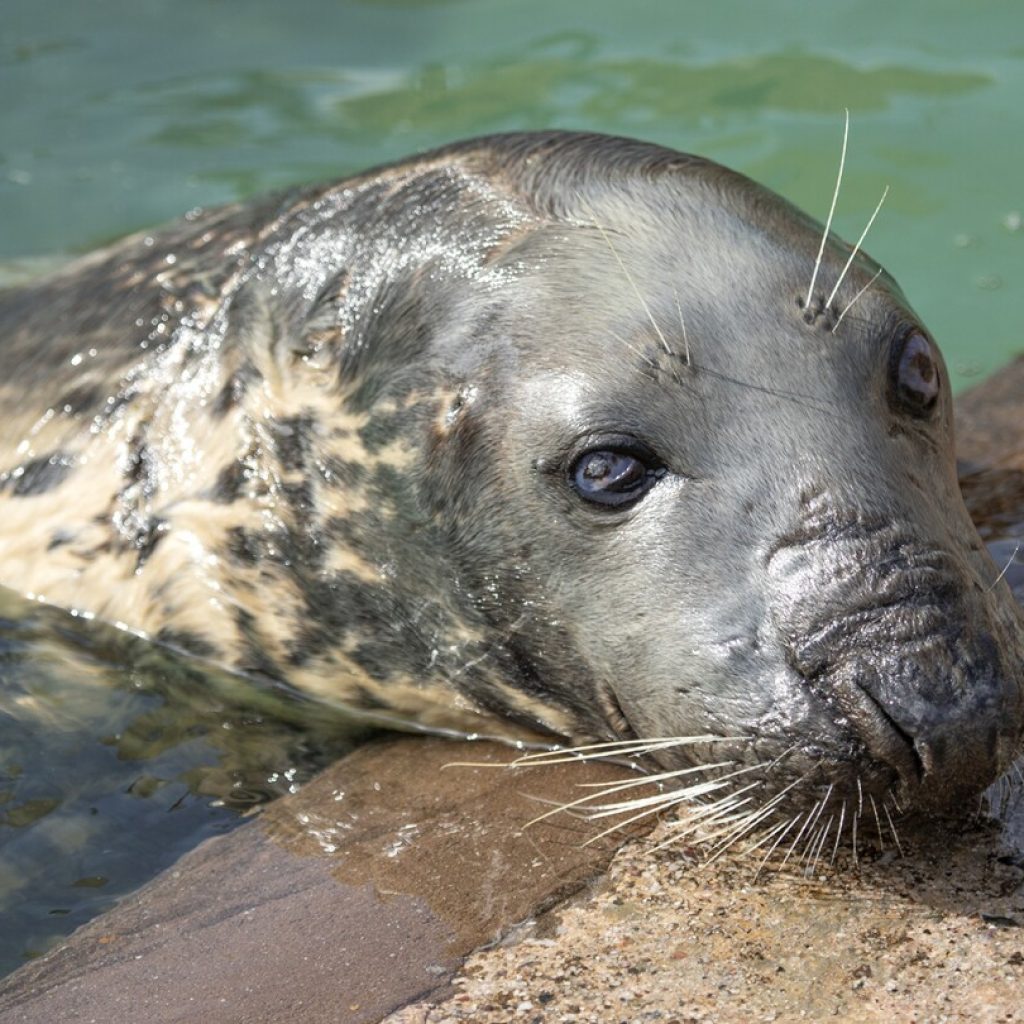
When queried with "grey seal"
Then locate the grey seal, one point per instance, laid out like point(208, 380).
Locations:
point(552, 430)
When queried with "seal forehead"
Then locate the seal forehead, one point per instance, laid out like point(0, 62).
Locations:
point(667, 278)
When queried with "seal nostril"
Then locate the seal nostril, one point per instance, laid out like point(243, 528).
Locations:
point(911, 765)
point(886, 740)
point(926, 756)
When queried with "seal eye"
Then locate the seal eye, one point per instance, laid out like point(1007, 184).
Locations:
point(916, 376)
point(608, 477)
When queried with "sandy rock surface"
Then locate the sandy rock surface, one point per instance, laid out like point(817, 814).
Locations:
point(936, 936)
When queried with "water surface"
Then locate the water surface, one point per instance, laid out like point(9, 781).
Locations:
point(116, 756)
point(124, 113)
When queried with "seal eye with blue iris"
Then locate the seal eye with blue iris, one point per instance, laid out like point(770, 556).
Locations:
point(915, 374)
point(606, 476)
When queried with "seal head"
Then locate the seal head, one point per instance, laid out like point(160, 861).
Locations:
point(540, 428)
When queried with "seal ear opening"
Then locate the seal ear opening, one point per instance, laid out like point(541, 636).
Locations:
point(322, 337)
point(458, 406)
point(268, 339)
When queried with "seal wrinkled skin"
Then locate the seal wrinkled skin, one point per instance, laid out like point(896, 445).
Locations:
point(537, 429)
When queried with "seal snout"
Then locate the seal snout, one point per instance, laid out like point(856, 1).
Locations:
point(888, 632)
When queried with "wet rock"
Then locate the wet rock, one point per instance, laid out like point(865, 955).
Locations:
point(338, 904)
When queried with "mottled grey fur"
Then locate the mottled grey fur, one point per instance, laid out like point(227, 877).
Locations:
point(326, 438)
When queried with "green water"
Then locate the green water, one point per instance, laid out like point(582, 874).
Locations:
point(116, 757)
point(117, 114)
point(122, 113)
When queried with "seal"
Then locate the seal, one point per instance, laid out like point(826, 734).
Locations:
point(563, 431)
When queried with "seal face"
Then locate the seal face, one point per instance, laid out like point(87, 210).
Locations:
point(538, 427)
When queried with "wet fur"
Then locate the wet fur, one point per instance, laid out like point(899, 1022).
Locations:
point(282, 436)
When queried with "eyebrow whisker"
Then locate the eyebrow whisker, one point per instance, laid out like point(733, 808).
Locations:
point(831, 212)
point(629, 277)
point(682, 326)
point(839, 319)
point(856, 248)
point(1006, 569)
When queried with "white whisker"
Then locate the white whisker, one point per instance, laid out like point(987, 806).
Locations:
point(632, 348)
point(718, 816)
point(632, 283)
point(785, 831)
point(669, 799)
point(580, 801)
point(831, 212)
point(589, 752)
point(766, 837)
point(682, 327)
point(839, 833)
point(658, 801)
point(717, 807)
point(856, 249)
point(615, 748)
point(821, 805)
point(749, 823)
point(688, 794)
point(821, 844)
point(813, 842)
point(778, 797)
point(672, 796)
point(809, 844)
point(1006, 569)
point(649, 779)
point(727, 803)
point(724, 816)
point(719, 813)
point(704, 811)
point(622, 824)
point(839, 319)
point(759, 815)
point(892, 828)
point(733, 832)
point(796, 841)
point(878, 822)
point(728, 818)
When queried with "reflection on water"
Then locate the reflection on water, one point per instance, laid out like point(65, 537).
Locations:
point(117, 756)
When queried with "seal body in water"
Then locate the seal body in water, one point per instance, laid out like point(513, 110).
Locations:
point(538, 428)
